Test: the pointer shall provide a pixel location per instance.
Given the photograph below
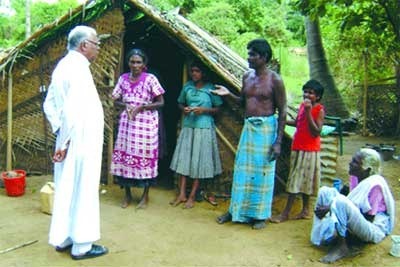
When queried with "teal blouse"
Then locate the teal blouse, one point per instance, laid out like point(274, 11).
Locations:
point(198, 97)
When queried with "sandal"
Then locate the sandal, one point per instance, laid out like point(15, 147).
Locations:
point(209, 198)
point(226, 217)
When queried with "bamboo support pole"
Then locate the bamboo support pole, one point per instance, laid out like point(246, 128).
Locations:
point(184, 73)
point(9, 121)
point(112, 80)
point(10, 115)
point(225, 140)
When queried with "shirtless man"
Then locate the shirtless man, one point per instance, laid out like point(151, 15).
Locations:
point(263, 94)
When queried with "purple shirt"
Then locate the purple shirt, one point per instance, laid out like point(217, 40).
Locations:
point(375, 196)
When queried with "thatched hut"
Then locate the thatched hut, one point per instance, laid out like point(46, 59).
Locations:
point(169, 39)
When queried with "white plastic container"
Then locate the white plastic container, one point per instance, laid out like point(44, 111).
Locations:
point(47, 197)
point(395, 250)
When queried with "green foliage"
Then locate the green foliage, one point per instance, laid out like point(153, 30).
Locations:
point(233, 20)
point(377, 21)
point(256, 16)
point(295, 24)
point(164, 5)
point(240, 43)
point(44, 13)
point(12, 29)
point(219, 18)
point(356, 44)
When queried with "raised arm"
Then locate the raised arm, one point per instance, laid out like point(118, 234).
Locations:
point(315, 126)
point(223, 91)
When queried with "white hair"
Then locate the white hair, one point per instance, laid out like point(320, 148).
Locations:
point(79, 34)
point(370, 158)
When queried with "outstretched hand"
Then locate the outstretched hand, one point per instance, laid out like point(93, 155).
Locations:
point(220, 90)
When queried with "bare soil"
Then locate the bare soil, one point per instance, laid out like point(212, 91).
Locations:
point(163, 235)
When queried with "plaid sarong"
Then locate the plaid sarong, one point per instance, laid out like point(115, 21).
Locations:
point(253, 177)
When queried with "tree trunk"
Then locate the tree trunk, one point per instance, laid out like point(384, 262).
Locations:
point(319, 70)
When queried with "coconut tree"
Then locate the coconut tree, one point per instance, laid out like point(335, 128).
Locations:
point(380, 18)
point(319, 69)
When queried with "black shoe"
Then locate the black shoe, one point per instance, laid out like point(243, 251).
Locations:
point(226, 217)
point(62, 249)
point(95, 251)
point(259, 224)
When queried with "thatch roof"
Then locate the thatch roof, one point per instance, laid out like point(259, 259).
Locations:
point(216, 55)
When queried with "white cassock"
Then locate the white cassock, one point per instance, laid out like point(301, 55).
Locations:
point(74, 110)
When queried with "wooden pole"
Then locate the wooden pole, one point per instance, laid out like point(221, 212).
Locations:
point(9, 121)
point(9, 115)
point(18, 246)
point(225, 140)
point(184, 73)
point(111, 84)
point(365, 93)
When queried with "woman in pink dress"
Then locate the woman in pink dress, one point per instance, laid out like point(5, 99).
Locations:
point(135, 155)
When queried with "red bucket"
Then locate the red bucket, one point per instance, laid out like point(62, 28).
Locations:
point(15, 186)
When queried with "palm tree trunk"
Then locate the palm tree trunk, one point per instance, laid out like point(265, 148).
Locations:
point(319, 70)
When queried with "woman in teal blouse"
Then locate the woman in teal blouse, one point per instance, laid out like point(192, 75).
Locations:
point(196, 154)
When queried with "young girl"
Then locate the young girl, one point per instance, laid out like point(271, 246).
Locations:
point(305, 165)
point(196, 154)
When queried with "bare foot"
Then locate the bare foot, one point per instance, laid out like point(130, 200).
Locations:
point(338, 252)
point(226, 217)
point(125, 202)
point(304, 215)
point(142, 204)
point(189, 204)
point(279, 218)
point(177, 201)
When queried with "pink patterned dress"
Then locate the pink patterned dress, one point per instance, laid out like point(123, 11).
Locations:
point(135, 154)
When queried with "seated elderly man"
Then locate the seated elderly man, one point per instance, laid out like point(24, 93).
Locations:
point(367, 212)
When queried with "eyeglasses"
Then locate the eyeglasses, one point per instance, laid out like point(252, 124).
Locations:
point(94, 42)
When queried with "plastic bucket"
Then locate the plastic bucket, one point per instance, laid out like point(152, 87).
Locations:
point(387, 153)
point(15, 186)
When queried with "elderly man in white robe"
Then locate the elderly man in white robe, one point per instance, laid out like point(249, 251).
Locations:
point(74, 110)
point(366, 213)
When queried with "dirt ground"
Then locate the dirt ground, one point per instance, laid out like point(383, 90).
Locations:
point(163, 235)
